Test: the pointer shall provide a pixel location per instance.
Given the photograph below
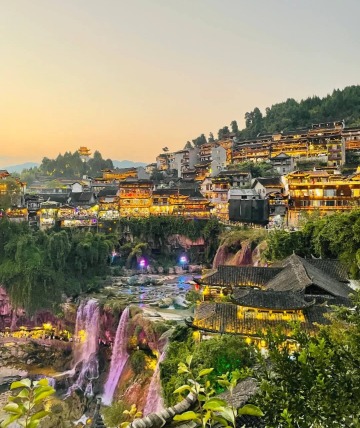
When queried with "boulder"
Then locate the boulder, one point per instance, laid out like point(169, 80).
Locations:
point(165, 302)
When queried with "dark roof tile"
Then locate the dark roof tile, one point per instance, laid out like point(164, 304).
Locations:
point(270, 299)
point(241, 276)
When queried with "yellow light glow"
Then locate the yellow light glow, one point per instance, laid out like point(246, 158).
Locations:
point(47, 326)
point(82, 336)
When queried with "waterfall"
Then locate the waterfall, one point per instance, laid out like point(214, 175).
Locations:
point(86, 364)
point(118, 358)
point(154, 399)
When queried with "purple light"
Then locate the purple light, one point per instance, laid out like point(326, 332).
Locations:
point(142, 263)
point(183, 259)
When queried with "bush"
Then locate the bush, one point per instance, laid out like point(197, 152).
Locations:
point(113, 415)
point(138, 362)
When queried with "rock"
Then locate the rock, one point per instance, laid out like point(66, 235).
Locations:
point(180, 303)
point(165, 302)
point(133, 280)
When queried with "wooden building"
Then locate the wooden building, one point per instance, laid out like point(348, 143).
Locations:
point(319, 190)
point(135, 197)
point(298, 290)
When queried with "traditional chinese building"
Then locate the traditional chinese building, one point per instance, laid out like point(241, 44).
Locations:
point(162, 202)
point(192, 207)
point(319, 190)
point(84, 153)
point(79, 216)
point(135, 197)
point(118, 174)
point(322, 141)
point(48, 214)
point(108, 202)
point(17, 214)
point(297, 290)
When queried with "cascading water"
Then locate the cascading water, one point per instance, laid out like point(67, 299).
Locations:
point(154, 399)
point(86, 364)
point(119, 358)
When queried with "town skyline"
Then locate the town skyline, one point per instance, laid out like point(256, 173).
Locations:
point(129, 79)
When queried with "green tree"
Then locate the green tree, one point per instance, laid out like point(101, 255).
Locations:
point(234, 127)
point(318, 384)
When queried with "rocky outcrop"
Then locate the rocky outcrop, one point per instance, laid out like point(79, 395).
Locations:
point(241, 254)
point(17, 353)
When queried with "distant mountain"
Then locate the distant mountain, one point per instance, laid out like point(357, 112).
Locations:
point(20, 167)
point(127, 164)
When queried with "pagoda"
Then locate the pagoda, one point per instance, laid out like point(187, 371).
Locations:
point(84, 153)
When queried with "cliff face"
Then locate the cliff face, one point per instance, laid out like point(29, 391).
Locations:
point(13, 318)
point(244, 253)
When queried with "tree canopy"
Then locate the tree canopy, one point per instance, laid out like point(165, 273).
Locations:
point(335, 236)
point(38, 267)
point(317, 385)
point(68, 165)
point(341, 104)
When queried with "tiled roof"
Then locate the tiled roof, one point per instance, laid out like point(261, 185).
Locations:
point(333, 267)
point(269, 181)
point(109, 191)
point(299, 273)
point(80, 197)
point(270, 299)
point(223, 318)
point(55, 197)
point(240, 276)
point(281, 155)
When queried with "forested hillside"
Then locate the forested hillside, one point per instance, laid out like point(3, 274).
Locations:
point(342, 104)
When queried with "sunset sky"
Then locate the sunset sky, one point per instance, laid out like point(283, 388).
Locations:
point(130, 77)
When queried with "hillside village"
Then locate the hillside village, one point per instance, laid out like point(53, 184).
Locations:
point(299, 171)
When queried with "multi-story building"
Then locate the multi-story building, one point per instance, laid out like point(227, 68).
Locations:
point(282, 163)
point(108, 208)
point(319, 190)
point(48, 214)
point(183, 160)
point(193, 207)
point(135, 197)
point(161, 204)
point(17, 214)
point(162, 162)
point(351, 141)
point(322, 142)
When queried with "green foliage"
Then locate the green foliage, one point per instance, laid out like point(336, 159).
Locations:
point(334, 236)
point(138, 362)
point(223, 353)
point(156, 230)
point(258, 169)
point(130, 416)
point(289, 115)
point(193, 296)
point(68, 165)
point(27, 407)
point(113, 415)
point(199, 140)
point(210, 409)
point(38, 267)
point(318, 384)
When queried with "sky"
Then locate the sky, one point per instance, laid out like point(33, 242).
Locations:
point(128, 77)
